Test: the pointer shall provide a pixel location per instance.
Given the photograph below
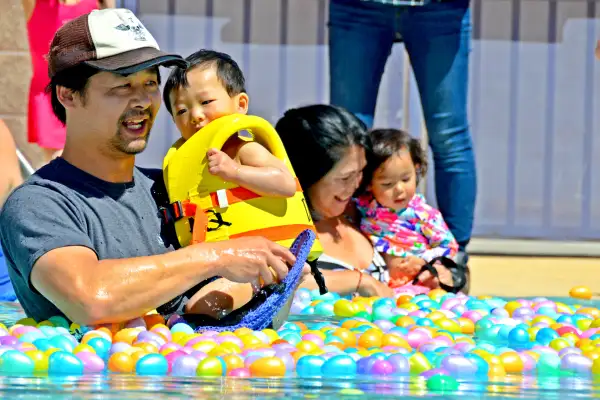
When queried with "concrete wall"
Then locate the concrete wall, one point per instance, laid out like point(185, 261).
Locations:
point(15, 73)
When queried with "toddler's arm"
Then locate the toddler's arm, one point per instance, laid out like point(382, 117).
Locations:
point(441, 241)
point(260, 171)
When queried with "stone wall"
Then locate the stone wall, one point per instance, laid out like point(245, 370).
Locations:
point(15, 73)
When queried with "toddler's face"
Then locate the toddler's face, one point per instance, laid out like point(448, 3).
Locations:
point(395, 181)
point(203, 101)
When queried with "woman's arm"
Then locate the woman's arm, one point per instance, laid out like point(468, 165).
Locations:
point(10, 172)
point(347, 282)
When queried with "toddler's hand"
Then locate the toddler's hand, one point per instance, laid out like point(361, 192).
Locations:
point(406, 268)
point(221, 165)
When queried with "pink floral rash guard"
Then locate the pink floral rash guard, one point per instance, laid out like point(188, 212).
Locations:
point(417, 230)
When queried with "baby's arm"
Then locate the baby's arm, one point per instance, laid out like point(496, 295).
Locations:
point(260, 171)
point(440, 239)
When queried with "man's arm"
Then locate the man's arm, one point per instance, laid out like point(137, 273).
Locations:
point(45, 236)
point(92, 292)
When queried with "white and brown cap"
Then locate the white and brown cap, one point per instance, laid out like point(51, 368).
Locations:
point(110, 40)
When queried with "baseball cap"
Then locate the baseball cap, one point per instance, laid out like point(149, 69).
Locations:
point(111, 40)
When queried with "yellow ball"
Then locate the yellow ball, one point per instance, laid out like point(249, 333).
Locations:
point(40, 360)
point(511, 306)
point(83, 348)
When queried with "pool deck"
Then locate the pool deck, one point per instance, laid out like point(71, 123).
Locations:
point(532, 276)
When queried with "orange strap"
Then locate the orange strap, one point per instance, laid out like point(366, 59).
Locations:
point(239, 194)
point(276, 233)
point(200, 226)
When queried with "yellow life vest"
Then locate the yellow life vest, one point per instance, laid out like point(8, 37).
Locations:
point(206, 208)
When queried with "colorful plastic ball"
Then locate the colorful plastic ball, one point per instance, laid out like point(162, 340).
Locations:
point(309, 366)
point(458, 365)
point(121, 362)
point(91, 362)
point(339, 366)
point(13, 362)
point(63, 363)
point(382, 367)
point(152, 364)
point(239, 373)
point(442, 383)
point(268, 367)
point(576, 363)
point(581, 292)
point(518, 337)
point(101, 346)
point(211, 366)
point(185, 365)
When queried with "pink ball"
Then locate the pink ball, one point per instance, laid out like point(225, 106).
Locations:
point(382, 367)
point(165, 332)
point(92, 363)
point(416, 338)
point(528, 362)
point(199, 355)
point(589, 332)
point(450, 303)
point(313, 338)
point(20, 331)
point(239, 373)
point(473, 315)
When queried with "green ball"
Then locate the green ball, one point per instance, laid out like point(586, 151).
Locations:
point(365, 315)
point(442, 383)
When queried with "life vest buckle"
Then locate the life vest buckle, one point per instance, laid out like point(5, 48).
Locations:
point(171, 213)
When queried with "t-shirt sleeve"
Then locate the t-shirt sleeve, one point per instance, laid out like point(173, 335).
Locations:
point(36, 220)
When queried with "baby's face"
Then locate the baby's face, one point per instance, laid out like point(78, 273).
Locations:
point(395, 181)
point(203, 101)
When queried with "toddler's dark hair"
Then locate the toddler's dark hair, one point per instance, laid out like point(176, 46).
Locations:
point(228, 72)
point(387, 142)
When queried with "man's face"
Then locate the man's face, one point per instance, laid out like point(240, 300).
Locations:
point(119, 111)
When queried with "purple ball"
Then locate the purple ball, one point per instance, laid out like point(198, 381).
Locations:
point(288, 361)
point(576, 363)
point(399, 363)
point(569, 350)
point(364, 365)
point(174, 319)
point(382, 367)
point(459, 309)
point(522, 312)
point(250, 359)
point(92, 363)
point(399, 311)
point(8, 340)
point(458, 365)
point(284, 348)
point(500, 312)
point(185, 365)
point(145, 336)
point(435, 371)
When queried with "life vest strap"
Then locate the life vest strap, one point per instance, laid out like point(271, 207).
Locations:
point(223, 198)
point(276, 233)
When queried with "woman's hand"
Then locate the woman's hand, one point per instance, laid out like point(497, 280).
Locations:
point(370, 286)
point(404, 269)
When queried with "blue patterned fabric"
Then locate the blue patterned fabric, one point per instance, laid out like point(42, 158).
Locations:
point(259, 313)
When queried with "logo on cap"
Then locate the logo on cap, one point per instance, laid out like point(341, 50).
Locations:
point(136, 29)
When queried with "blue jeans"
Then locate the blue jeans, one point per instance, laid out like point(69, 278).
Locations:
point(437, 38)
point(7, 293)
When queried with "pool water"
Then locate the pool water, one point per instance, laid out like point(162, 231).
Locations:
point(118, 386)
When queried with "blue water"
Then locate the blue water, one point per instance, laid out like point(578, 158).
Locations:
point(114, 386)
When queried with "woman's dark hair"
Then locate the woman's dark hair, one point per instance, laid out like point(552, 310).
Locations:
point(316, 137)
point(76, 79)
point(387, 142)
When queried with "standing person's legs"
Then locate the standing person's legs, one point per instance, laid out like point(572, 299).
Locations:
point(437, 38)
point(361, 35)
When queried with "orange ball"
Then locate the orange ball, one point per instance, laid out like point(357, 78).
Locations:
point(348, 337)
point(512, 362)
point(405, 321)
point(121, 362)
point(233, 361)
point(127, 335)
point(403, 298)
point(370, 338)
point(466, 326)
point(581, 292)
point(267, 367)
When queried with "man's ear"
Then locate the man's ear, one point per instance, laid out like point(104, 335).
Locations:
point(65, 96)
point(243, 103)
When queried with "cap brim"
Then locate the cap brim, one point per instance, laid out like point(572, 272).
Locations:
point(137, 60)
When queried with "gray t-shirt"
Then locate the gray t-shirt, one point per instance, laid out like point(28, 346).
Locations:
point(61, 205)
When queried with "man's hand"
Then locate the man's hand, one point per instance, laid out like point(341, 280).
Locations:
point(221, 165)
point(247, 260)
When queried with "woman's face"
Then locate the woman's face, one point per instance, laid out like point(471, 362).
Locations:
point(330, 196)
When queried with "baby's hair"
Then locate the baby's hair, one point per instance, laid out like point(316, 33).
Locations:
point(387, 142)
point(228, 72)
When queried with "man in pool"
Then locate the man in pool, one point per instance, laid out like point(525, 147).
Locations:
point(82, 236)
